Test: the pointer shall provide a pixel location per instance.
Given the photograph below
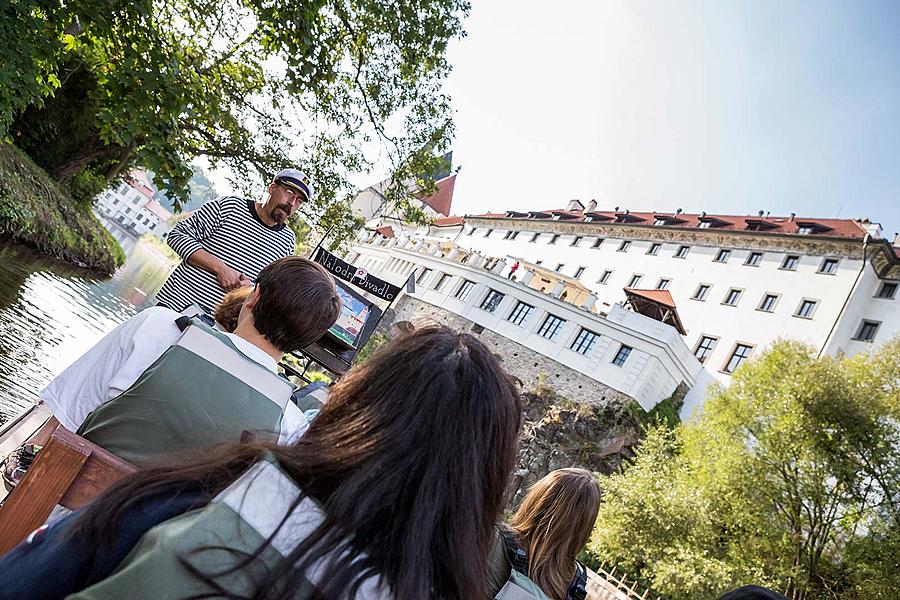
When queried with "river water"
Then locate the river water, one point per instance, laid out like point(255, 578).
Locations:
point(51, 312)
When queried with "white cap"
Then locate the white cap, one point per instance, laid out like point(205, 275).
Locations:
point(297, 180)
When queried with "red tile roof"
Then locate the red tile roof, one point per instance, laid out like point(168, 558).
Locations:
point(660, 296)
point(836, 228)
point(442, 198)
point(387, 231)
point(448, 221)
point(157, 209)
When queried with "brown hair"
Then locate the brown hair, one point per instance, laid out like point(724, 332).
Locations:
point(553, 523)
point(228, 310)
point(297, 303)
point(409, 458)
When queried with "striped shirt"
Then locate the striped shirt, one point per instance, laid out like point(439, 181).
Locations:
point(229, 229)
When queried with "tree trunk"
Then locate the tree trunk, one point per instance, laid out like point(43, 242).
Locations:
point(95, 150)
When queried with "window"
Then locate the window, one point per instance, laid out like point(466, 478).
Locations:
point(722, 255)
point(584, 342)
point(705, 224)
point(682, 251)
point(660, 221)
point(732, 297)
point(559, 267)
point(663, 283)
point(535, 237)
point(519, 313)
point(491, 301)
point(605, 277)
point(579, 272)
point(790, 262)
point(551, 326)
point(576, 241)
point(753, 259)
point(488, 233)
point(701, 292)
point(463, 292)
point(740, 354)
point(115, 200)
point(597, 243)
point(829, 266)
point(768, 303)
point(705, 347)
point(804, 230)
point(554, 238)
point(654, 248)
point(635, 279)
point(622, 355)
point(445, 277)
point(623, 247)
point(806, 308)
point(888, 290)
point(473, 230)
point(510, 235)
point(866, 331)
point(425, 273)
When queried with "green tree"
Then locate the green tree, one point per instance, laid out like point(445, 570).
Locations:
point(252, 84)
point(787, 470)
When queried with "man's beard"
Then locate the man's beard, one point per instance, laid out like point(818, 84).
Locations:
point(280, 213)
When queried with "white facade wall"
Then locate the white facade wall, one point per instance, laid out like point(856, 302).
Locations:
point(743, 323)
point(659, 360)
point(126, 206)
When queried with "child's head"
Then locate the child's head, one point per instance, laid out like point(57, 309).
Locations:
point(229, 308)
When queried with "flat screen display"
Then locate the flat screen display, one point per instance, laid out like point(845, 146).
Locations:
point(354, 313)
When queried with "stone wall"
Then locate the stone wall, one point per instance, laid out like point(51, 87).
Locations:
point(531, 368)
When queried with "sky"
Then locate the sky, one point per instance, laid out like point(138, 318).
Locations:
point(724, 106)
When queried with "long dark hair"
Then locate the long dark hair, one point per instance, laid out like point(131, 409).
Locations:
point(409, 458)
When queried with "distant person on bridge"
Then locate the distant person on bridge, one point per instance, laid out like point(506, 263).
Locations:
point(227, 242)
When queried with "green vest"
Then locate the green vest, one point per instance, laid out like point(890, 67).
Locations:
point(239, 521)
point(200, 392)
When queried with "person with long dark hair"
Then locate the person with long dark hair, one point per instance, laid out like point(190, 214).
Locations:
point(551, 526)
point(392, 492)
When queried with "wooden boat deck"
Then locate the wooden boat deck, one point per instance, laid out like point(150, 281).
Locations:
point(19, 429)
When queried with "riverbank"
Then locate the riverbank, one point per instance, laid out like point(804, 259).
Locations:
point(35, 211)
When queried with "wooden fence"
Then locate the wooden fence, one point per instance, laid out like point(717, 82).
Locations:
point(609, 585)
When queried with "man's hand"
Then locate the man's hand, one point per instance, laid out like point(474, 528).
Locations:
point(230, 278)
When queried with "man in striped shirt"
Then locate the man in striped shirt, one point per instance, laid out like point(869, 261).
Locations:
point(226, 243)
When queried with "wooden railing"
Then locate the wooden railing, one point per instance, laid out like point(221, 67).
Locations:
point(609, 585)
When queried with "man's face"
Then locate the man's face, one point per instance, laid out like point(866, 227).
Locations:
point(283, 201)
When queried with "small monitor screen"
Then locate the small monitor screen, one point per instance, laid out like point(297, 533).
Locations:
point(353, 316)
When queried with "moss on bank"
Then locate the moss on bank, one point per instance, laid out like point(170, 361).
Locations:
point(35, 211)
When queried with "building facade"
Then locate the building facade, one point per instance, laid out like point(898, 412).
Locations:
point(131, 207)
point(737, 283)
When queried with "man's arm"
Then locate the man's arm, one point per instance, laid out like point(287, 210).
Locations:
point(186, 239)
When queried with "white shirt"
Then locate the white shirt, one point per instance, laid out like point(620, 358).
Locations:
point(115, 362)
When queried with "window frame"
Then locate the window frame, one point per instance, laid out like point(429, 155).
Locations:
point(559, 267)
point(767, 295)
point(710, 350)
point(632, 283)
point(576, 240)
point(663, 280)
point(740, 294)
point(423, 275)
point(579, 272)
point(462, 292)
point(812, 312)
point(579, 346)
point(546, 326)
point(597, 243)
point(682, 252)
point(829, 260)
point(624, 246)
point(534, 238)
point(862, 325)
point(604, 278)
point(627, 353)
point(748, 262)
point(879, 294)
point(717, 258)
point(697, 297)
point(488, 232)
point(731, 355)
point(553, 238)
point(654, 248)
point(787, 257)
point(491, 293)
point(516, 316)
point(442, 281)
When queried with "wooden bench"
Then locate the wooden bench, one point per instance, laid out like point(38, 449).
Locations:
point(69, 471)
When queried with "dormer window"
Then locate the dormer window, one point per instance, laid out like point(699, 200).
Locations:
point(660, 221)
point(705, 224)
point(757, 225)
point(805, 228)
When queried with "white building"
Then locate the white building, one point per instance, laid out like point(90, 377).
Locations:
point(131, 206)
point(737, 282)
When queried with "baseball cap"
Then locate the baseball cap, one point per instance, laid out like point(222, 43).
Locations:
point(297, 180)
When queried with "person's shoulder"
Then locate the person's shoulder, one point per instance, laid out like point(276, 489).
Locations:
point(157, 320)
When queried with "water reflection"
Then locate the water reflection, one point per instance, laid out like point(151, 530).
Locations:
point(51, 312)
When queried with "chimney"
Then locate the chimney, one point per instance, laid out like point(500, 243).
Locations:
point(575, 204)
point(592, 205)
point(792, 216)
point(678, 212)
point(760, 213)
point(616, 209)
point(767, 214)
point(896, 239)
point(703, 214)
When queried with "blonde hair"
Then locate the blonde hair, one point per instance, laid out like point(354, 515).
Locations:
point(228, 310)
point(553, 523)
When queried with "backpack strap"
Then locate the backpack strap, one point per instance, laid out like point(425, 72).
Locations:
point(578, 587)
point(517, 557)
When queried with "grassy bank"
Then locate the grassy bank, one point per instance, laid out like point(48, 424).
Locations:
point(35, 211)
